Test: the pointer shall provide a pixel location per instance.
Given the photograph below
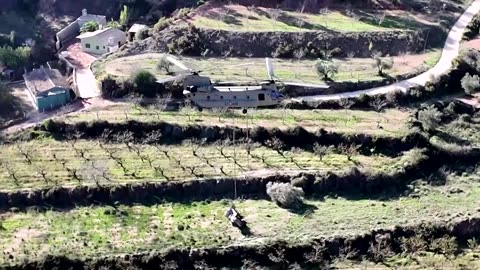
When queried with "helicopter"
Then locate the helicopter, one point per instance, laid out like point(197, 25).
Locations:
point(202, 93)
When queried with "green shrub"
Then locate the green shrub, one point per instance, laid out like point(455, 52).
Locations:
point(142, 34)
point(471, 84)
point(109, 87)
point(114, 24)
point(189, 43)
point(145, 83)
point(9, 105)
point(285, 195)
point(430, 118)
point(383, 63)
point(161, 24)
point(15, 58)
point(89, 27)
point(446, 245)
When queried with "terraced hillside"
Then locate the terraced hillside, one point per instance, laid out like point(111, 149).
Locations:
point(136, 185)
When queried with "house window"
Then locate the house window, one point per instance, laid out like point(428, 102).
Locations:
point(104, 47)
point(208, 97)
point(261, 96)
point(98, 48)
point(234, 97)
point(248, 97)
point(221, 97)
point(87, 45)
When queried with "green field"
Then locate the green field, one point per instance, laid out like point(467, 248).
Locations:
point(251, 69)
point(95, 231)
point(241, 18)
point(389, 122)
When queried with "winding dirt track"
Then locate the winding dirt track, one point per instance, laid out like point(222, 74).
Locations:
point(449, 53)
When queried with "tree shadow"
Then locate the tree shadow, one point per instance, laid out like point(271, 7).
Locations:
point(245, 231)
point(451, 138)
point(299, 22)
point(305, 210)
point(389, 21)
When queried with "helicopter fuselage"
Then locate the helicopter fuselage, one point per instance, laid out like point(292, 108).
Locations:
point(234, 96)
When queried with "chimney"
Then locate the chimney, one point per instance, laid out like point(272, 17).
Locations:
point(84, 12)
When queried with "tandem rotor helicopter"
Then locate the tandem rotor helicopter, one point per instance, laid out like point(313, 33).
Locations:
point(204, 94)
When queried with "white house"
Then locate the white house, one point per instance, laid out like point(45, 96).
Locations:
point(100, 19)
point(102, 41)
point(73, 29)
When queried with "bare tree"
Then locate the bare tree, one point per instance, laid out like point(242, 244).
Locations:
point(349, 150)
point(277, 145)
point(26, 152)
point(187, 109)
point(346, 103)
point(220, 111)
point(319, 150)
point(382, 63)
point(299, 54)
point(12, 173)
point(378, 104)
point(95, 171)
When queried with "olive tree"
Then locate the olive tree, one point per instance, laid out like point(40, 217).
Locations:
point(326, 68)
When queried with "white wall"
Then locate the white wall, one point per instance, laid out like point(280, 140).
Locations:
point(102, 42)
point(66, 33)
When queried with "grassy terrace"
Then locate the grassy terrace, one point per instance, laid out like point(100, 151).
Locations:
point(103, 230)
point(251, 69)
point(241, 18)
point(390, 122)
point(46, 163)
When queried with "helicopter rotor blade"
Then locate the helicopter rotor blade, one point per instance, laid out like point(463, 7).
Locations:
point(268, 62)
point(177, 62)
point(171, 79)
point(308, 85)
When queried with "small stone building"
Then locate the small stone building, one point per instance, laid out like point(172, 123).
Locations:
point(102, 41)
point(136, 27)
point(47, 88)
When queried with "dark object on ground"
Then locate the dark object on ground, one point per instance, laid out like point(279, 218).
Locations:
point(235, 218)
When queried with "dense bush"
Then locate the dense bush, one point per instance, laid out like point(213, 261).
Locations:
point(145, 83)
point(9, 105)
point(285, 195)
point(430, 117)
point(14, 58)
point(189, 43)
point(110, 88)
point(90, 26)
point(471, 84)
point(142, 34)
point(473, 28)
point(161, 24)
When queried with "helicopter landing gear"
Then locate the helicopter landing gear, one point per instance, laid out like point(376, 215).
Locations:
point(244, 111)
